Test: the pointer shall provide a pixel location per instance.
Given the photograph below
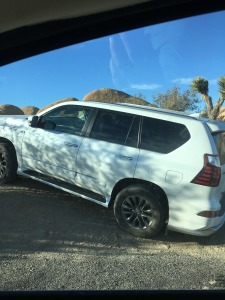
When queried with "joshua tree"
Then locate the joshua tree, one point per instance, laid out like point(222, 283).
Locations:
point(201, 86)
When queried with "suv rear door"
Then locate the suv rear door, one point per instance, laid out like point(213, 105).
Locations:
point(157, 161)
point(109, 152)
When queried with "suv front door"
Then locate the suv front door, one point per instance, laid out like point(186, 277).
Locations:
point(51, 147)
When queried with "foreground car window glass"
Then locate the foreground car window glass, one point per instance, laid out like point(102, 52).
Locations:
point(112, 162)
point(145, 62)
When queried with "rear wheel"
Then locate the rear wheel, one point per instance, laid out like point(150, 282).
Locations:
point(140, 211)
point(8, 163)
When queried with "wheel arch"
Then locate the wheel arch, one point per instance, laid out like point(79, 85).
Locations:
point(131, 181)
point(6, 141)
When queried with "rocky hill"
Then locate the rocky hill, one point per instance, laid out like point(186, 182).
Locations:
point(101, 95)
point(30, 110)
point(56, 102)
point(8, 109)
point(111, 95)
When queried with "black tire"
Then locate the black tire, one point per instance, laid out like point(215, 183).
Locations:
point(139, 211)
point(8, 163)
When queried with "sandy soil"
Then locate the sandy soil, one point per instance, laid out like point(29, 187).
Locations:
point(40, 225)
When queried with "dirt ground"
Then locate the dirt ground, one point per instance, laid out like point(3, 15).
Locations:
point(42, 228)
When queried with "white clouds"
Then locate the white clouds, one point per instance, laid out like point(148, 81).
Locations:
point(125, 42)
point(145, 86)
point(183, 80)
point(189, 80)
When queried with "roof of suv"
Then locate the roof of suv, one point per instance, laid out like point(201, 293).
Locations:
point(125, 107)
point(214, 125)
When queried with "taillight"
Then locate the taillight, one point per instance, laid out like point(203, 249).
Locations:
point(209, 214)
point(210, 173)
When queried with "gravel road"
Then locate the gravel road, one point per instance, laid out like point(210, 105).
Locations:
point(51, 240)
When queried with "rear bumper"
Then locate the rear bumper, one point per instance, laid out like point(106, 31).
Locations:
point(199, 232)
point(184, 214)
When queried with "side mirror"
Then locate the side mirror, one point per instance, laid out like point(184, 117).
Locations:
point(32, 121)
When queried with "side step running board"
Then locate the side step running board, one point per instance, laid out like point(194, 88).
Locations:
point(67, 187)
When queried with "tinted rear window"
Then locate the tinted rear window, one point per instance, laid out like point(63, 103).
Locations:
point(113, 127)
point(163, 136)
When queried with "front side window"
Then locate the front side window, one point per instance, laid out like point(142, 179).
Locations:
point(162, 136)
point(112, 127)
point(68, 119)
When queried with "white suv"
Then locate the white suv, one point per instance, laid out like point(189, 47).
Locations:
point(158, 169)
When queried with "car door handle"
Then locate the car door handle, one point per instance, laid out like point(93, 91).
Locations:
point(124, 157)
point(71, 145)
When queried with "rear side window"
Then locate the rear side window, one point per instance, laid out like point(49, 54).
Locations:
point(162, 136)
point(219, 140)
point(113, 127)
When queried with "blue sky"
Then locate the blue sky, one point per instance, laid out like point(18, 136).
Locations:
point(149, 60)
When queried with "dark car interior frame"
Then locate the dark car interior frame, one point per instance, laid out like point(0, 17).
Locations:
point(25, 41)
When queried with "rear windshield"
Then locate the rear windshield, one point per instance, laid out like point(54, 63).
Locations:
point(219, 139)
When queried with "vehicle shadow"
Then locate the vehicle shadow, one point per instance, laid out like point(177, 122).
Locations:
point(35, 217)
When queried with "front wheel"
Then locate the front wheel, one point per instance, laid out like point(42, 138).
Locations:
point(8, 163)
point(139, 211)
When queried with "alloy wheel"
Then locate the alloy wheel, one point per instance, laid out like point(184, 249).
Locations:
point(2, 165)
point(137, 212)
